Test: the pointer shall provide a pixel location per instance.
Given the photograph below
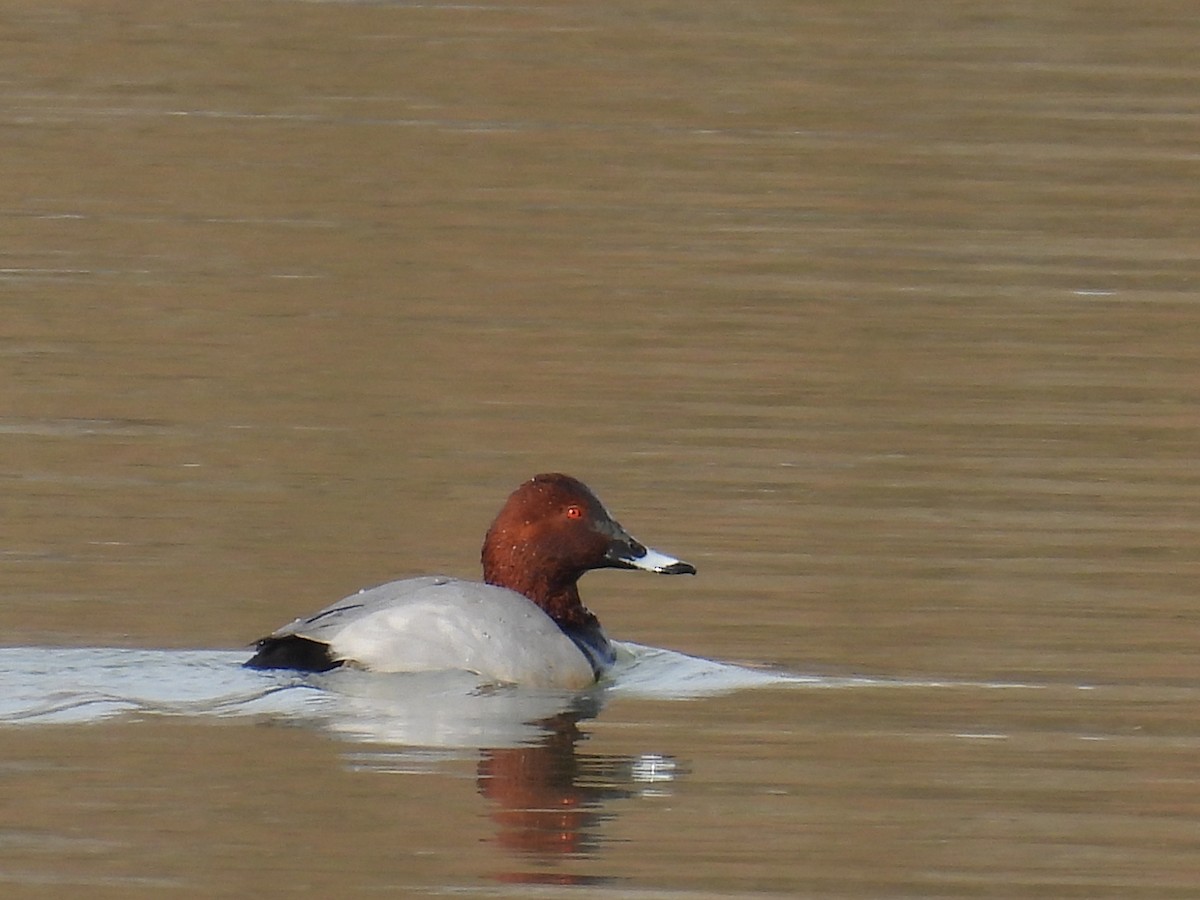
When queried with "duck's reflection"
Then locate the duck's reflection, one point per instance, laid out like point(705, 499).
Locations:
point(549, 800)
point(542, 806)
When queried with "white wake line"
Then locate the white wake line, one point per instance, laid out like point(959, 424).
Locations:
point(90, 684)
point(653, 672)
point(250, 702)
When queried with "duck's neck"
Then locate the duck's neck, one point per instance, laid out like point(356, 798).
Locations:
point(559, 598)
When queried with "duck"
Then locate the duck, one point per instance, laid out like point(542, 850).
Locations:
point(524, 624)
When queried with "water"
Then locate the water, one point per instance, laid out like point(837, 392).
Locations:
point(883, 317)
point(560, 776)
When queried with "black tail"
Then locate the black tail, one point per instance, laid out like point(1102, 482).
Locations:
point(292, 652)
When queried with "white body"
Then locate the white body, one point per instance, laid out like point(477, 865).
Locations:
point(438, 623)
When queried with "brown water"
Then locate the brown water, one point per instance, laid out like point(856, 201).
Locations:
point(885, 318)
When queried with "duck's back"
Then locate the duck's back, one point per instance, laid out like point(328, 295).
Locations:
point(436, 623)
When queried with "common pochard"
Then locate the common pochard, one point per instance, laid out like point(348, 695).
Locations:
point(524, 625)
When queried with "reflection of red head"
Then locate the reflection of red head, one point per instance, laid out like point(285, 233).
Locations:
point(550, 800)
point(541, 810)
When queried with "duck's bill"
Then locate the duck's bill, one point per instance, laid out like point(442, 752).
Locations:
point(632, 555)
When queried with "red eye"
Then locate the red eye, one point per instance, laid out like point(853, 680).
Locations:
point(574, 512)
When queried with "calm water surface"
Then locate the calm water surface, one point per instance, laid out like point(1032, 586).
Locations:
point(884, 318)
